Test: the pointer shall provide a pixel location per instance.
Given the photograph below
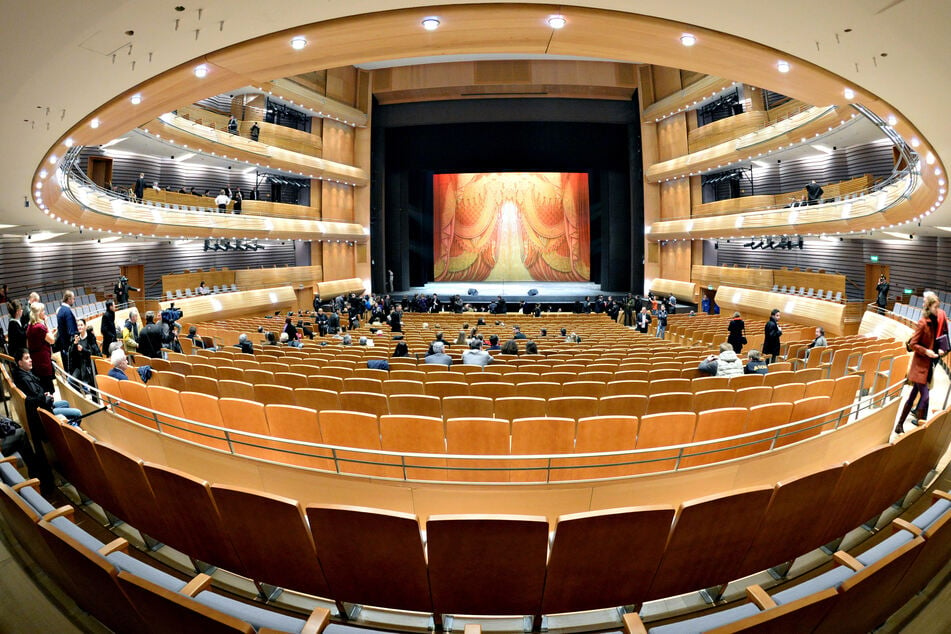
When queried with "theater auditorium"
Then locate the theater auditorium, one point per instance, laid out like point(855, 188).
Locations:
point(499, 316)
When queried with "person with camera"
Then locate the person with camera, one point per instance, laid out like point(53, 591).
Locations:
point(121, 290)
point(881, 299)
point(81, 351)
point(150, 338)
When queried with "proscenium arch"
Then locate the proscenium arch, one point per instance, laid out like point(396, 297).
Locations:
point(475, 29)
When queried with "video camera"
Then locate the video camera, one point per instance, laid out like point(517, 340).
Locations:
point(171, 314)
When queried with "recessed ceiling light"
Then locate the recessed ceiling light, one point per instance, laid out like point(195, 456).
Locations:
point(68, 142)
point(201, 71)
point(53, 159)
point(892, 120)
point(557, 21)
point(431, 23)
point(94, 123)
point(136, 99)
point(782, 66)
point(849, 93)
point(688, 39)
point(298, 42)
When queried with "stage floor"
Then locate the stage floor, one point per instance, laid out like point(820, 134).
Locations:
point(514, 291)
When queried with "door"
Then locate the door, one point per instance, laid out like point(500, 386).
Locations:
point(136, 275)
point(873, 271)
point(99, 170)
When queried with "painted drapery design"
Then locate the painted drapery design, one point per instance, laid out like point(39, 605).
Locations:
point(511, 227)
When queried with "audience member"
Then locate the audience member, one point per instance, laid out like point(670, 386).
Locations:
point(39, 340)
point(475, 355)
point(119, 364)
point(737, 330)
point(773, 332)
point(401, 349)
point(755, 364)
point(150, 337)
point(244, 344)
point(438, 355)
point(818, 342)
point(130, 332)
point(531, 348)
point(16, 337)
point(510, 347)
point(107, 326)
point(726, 364)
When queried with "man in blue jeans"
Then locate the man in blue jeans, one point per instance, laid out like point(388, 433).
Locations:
point(31, 387)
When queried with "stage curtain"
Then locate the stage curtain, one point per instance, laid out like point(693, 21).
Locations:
point(485, 220)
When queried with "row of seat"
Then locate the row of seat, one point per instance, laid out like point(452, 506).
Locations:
point(480, 426)
point(178, 294)
point(792, 290)
point(123, 592)
point(497, 565)
point(856, 595)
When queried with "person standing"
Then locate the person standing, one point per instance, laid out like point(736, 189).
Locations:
point(138, 189)
point(813, 193)
point(222, 200)
point(929, 342)
point(108, 327)
point(737, 330)
point(232, 125)
point(38, 342)
point(255, 131)
point(396, 319)
point(643, 321)
point(772, 334)
point(16, 337)
point(661, 322)
point(237, 199)
point(882, 289)
point(66, 327)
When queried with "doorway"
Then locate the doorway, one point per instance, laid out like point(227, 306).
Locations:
point(874, 270)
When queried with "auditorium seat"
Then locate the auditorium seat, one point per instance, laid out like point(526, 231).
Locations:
point(789, 527)
point(478, 436)
point(292, 380)
point(622, 405)
point(446, 388)
point(415, 405)
point(416, 433)
point(235, 389)
point(360, 431)
point(302, 424)
point(371, 556)
point(493, 390)
point(662, 430)
point(317, 399)
point(202, 369)
point(574, 407)
point(271, 538)
point(202, 408)
point(594, 389)
point(778, 377)
point(358, 384)
point(819, 387)
point(269, 394)
point(175, 380)
point(614, 388)
point(813, 412)
point(746, 380)
point(713, 424)
point(467, 406)
point(596, 560)
point(541, 435)
point(709, 540)
point(401, 386)
point(137, 403)
point(765, 416)
point(597, 434)
point(21, 518)
point(514, 407)
point(846, 508)
point(662, 402)
point(370, 403)
point(713, 399)
point(132, 490)
point(230, 373)
point(539, 389)
point(789, 392)
point(89, 477)
point(240, 415)
point(660, 386)
point(489, 564)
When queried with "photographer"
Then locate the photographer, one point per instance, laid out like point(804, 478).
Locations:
point(81, 351)
point(121, 290)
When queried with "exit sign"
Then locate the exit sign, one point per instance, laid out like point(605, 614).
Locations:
point(909, 291)
point(873, 258)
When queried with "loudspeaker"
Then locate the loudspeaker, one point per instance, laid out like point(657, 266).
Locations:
point(532, 292)
point(473, 292)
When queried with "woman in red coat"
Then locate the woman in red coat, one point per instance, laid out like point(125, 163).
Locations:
point(38, 340)
point(927, 348)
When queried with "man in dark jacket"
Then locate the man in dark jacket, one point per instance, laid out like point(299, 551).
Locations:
point(66, 327)
point(108, 327)
point(150, 338)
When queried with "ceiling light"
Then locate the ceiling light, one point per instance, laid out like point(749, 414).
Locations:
point(136, 99)
point(201, 71)
point(68, 142)
point(430, 23)
point(53, 159)
point(557, 21)
point(94, 123)
point(929, 158)
point(298, 42)
point(782, 66)
point(849, 94)
point(892, 120)
point(688, 39)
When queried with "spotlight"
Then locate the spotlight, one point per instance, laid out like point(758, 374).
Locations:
point(557, 21)
point(298, 42)
point(430, 24)
point(201, 71)
point(782, 66)
point(688, 39)
point(136, 99)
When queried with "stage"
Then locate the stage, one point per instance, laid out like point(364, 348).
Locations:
point(548, 292)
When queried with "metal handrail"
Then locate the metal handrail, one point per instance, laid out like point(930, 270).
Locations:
point(233, 438)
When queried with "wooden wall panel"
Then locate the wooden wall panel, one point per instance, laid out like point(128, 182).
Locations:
point(672, 137)
point(675, 199)
point(26, 266)
point(338, 142)
point(675, 261)
point(342, 84)
point(919, 263)
point(336, 202)
point(338, 260)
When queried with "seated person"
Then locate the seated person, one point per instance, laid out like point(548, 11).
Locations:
point(725, 364)
point(346, 340)
point(31, 387)
point(401, 349)
point(517, 333)
point(531, 348)
point(818, 342)
point(756, 364)
point(246, 346)
point(119, 364)
point(494, 342)
point(510, 347)
point(287, 341)
point(438, 355)
point(366, 341)
point(475, 355)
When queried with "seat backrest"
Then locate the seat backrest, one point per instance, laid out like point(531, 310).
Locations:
point(271, 537)
point(486, 436)
point(416, 434)
point(596, 560)
point(492, 564)
point(709, 539)
point(362, 551)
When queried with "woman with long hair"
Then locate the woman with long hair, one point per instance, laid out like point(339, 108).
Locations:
point(401, 349)
point(39, 341)
point(929, 342)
